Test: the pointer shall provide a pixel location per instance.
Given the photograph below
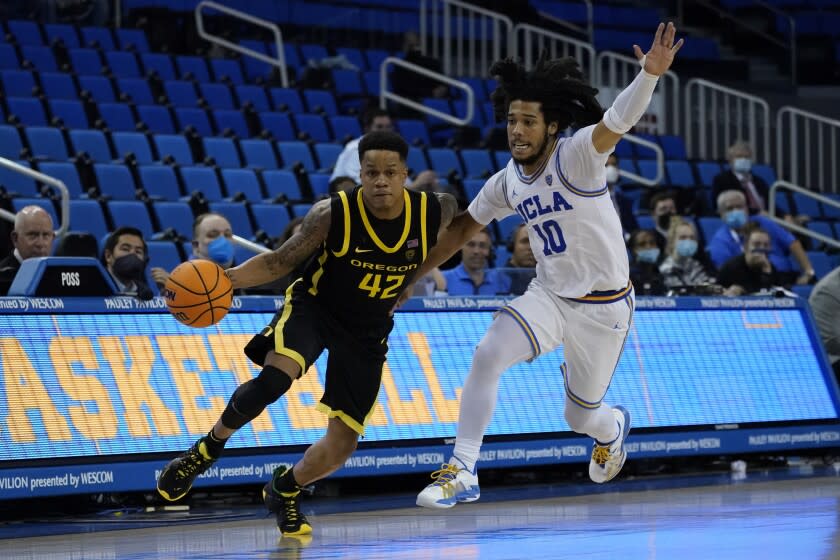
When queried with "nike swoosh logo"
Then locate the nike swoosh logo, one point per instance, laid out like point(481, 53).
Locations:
point(360, 250)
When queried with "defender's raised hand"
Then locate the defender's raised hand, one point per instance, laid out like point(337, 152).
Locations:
point(661, 54)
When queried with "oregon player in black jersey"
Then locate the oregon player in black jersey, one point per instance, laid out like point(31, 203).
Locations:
point(366, 246)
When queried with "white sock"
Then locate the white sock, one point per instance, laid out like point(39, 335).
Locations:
point(466, 453)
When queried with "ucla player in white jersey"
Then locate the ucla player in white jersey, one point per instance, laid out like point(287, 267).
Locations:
point(581, 296)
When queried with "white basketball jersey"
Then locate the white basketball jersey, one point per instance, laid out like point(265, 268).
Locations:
point(574, 230)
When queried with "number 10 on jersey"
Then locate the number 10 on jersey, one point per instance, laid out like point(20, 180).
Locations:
point(552, 237)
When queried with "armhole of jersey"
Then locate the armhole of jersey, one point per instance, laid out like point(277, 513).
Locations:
point(423, 232)
point(573, 189)
point(504, 188)
point(345, 244)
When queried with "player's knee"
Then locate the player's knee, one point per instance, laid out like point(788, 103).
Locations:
point(485, 358)
point(251, 398)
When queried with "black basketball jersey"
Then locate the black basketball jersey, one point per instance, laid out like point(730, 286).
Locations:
point(366, 262)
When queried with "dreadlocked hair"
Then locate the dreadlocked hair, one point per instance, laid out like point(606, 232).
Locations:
point(556, 84)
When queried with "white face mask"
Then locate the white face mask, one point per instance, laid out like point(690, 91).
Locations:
point(612, 174)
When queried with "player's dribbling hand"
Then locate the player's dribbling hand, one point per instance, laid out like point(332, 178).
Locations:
point(661, 54)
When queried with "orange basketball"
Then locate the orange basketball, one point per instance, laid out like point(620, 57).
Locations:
point(198, 293)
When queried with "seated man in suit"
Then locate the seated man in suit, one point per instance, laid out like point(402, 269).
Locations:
point(32, 236)
point(738, 177)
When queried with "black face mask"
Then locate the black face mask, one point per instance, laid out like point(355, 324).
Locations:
point(663, 221)
point(129, 267)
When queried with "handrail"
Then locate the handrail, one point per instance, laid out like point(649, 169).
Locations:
point(248, 244)
point(725, 120)
point(807, 151)
point(386, 95)
point(660, 162)
point(622, 69)
point(47, 180)
point(279, 62)
point(582, 51)
point(771, 211)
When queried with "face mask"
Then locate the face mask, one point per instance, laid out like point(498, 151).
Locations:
point(663, 221)
point(220, 250)
point(648, 255)
point(735, 218)
point(686, 247)
point(742, 165)
point(128, 267)
point(612, 174)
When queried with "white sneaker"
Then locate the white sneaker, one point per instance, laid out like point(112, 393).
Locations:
point(607, 460)
point(451, 485)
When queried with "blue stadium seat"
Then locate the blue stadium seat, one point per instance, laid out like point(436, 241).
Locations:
point(320, 101)
point(133, 143)
point(115, 181)
point(163, 254)
point(472, 186)
point(204, 180)
point(673, 146)
point(296, 152)
point(444, 161)
point(628, 165)
point(93, 142)
point(160, 182)
point(132, 40)
point(196, 118)
point(782, 203)
point(156, 118)
point(175, 146)
point(222, 150)
point(131, 213)
point(66, 173)
point(312, 52)
point(707, 171)
point(8, 57)
point(327, 154)
point(71, 112)
point(85, 62)
point(807, 205)
point(61, 31)
point(16, 183)
point(416, 160)
point(41, 58)
point(765, 172)
point(18, 83)
point(122, 64)
point(98, 37)
point(645, 222)
point(99, 87)
point(287, 100)
point(829, 211)
point(258, 154)
point(375, 58)
point(217, 96)
point(256, 68)
point(624, 150)
point(137, 89)
point(281, 182)
point(502, 158)
point(270, 218)
point(440, 130)
point(58, 86)
point(821, 262)
point(506, 226)
point(237, 214)
point(354, 56)
point(349, 88)
point(373, 83)
point(180, 93)
point(10, 144)
point(175, 215)
point(460, 110)
point(192, 67)
point(320, 183)
point(477, 163)
point(679, 173)
point(231, 121)
point(227, 68)
point(825, 228)
point(301, 209)
point(414, 131)
point(25, 32)
point(643, 152)
point(242, 181)
point(345, 128)
point(313, 126)
point(647, 168)
point(255, 95)
point(87, 215)
point(46, 143)
point(279, 125)
point(158, 63)
point(19, 204)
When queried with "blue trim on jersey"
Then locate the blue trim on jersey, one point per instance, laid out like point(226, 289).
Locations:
point(574, 398)
point(504, 189)
point(528, 179)
point(572, 188)
point(526, 328)
point(608, 296)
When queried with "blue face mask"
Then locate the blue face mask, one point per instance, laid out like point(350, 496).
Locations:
point(742, 165)
point(220, 251)
point(648, 255)
point(686, 247)
point(735, 218)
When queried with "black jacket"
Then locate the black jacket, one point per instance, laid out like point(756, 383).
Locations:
point(8, 270)
point(727, 180)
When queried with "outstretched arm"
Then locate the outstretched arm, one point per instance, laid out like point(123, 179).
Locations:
point(631, 103)
point(448, 209)
point(266, 267)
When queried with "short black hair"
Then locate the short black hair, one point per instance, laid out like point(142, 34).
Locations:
point(114, 238)
point(383, 140)
point(372, 113)
point(659, 197)
point(556, 84)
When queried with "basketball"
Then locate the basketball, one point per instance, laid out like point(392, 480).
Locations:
point(198, 293)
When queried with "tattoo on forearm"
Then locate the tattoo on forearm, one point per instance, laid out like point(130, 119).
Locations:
point(313, 232)
point(448, 209)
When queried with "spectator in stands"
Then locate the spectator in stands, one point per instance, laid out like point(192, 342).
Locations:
point(472, 276)
point(663, 206)
point(32, 236)
point(727, 241)
point(825, 305)
point(212, 234)
point(683, 270)
point(738, 177)
point(342, 183)
point(431, 284)
point(644, 264)
point(125, 256)
point(522, 263)
point(411, 84)
point(623, 204)
point(751, 271)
